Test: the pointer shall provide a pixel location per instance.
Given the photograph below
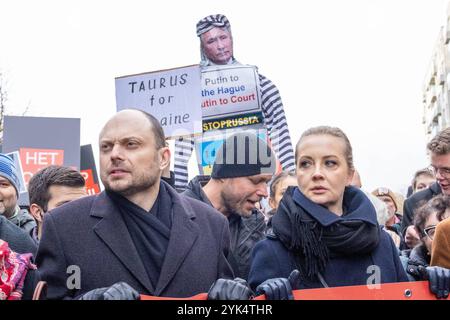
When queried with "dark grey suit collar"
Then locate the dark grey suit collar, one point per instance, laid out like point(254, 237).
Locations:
point(113, 231)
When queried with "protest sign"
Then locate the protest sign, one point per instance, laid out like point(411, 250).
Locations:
point(88, 169)
point(211, 142)
point(230, 97)
point(41, 142)
point(33, 160)
point(171, 96)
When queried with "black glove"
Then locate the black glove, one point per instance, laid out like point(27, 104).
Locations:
point(439, 280)
point(279, 288)
point(118, 291)
point(226, 289)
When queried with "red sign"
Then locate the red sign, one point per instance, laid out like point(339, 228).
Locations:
point(91, 187)
point(34, 160)
point(418, 290)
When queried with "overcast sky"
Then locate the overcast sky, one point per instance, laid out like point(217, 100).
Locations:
point(355, 64)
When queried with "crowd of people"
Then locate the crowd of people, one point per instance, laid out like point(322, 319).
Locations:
point(141, 236)
point(150, 233)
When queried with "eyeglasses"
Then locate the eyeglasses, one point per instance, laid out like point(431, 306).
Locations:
point(429, 232)
point(444, 172)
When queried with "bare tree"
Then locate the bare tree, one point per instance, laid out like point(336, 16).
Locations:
point(3, 102)
point(3, 99)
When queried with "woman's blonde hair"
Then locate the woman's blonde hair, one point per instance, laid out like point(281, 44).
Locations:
point(331, 131)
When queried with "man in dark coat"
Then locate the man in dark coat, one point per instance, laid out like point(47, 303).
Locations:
point(138, 236)
point(439, 148)
point(242, 168)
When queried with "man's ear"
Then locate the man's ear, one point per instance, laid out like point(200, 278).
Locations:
point(37, 212)
point(165, 158)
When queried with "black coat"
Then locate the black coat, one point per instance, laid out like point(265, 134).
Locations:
point(245, 232)
point(415, 201)
point(19, 241)
point(273, 258)
point(90, 233)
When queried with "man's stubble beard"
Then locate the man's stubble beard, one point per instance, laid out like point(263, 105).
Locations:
point(134, 187)
point(232, 206)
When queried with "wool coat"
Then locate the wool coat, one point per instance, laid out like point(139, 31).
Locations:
point(88, 236)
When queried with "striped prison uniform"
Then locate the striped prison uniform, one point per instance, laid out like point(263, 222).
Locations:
point(275, 123)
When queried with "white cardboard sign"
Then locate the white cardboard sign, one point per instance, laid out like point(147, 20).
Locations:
point(172, 96)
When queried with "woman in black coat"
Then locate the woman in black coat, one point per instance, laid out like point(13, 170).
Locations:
point(325, 233)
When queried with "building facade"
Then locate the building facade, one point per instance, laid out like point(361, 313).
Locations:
point(436, 100)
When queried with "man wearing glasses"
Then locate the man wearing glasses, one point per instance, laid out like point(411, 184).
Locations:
point(439, 148)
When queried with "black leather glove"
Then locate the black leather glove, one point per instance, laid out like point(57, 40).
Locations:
point(118, 291)
point(439, 280)
point(279, 288)
point(226, 289)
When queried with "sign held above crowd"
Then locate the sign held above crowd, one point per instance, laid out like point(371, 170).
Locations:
point(172, 96)
point(88, 169)
point(40, 142)
point(230, 97)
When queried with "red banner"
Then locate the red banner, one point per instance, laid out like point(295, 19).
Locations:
point(33, 160)
point(200, 296)
point(91, 187)
point(389, 291)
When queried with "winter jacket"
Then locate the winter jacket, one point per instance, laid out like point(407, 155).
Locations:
point(24, 220)
point(90, 233)
point(245, 232)
point(272, 259)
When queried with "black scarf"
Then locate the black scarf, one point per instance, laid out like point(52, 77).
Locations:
point(314, 234)
point(149, 230)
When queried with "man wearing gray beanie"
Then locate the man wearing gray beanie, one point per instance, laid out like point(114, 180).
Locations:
point(242, 168)
point(216, 48)
point(9, 195)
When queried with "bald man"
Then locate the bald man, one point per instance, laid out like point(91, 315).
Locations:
point(139, 236)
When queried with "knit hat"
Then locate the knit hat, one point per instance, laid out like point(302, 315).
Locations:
point(212, 21)
point(8, 170)
point(387, 192)
point(242, 155)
